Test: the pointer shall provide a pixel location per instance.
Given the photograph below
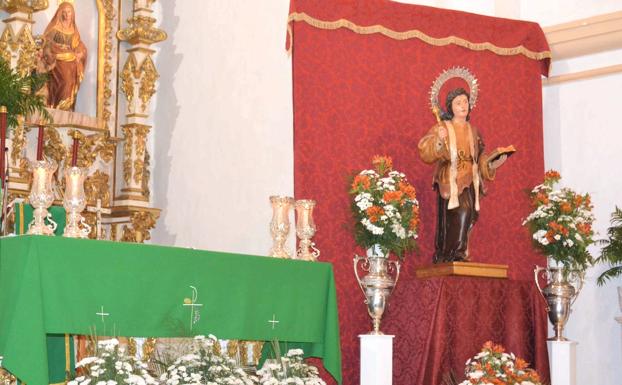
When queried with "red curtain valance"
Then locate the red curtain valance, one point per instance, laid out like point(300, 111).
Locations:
point(405, 21)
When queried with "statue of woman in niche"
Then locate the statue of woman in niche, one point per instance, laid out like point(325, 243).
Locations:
point(63, 58)
point(457, 150)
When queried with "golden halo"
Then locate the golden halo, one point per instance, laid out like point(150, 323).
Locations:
point(454, 72)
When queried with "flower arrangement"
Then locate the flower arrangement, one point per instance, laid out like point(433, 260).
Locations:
point(205, 366)
point(111, 365)
point(561, 224)
point(290, 369)
point(493, 366)
point(385, 208)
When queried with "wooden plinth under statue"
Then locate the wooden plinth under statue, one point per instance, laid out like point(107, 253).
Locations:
point(464, 269)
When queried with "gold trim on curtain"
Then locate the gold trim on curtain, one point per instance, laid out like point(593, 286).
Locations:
point(412, 34)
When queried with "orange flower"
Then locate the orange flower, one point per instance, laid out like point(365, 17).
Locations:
point(584, 228)
point(408, 190)
point(578, 200)
point(565, 208)
point(414, 221)
point(392, 196)
point(382, 163)
point(552, 175)
point(549, 236)
point(541, 198)
point(361, 181)
point(520, 364)
point(374, 213)
point(588, 201)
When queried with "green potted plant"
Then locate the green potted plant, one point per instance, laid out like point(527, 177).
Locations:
point(611, 252)
point(19, 94)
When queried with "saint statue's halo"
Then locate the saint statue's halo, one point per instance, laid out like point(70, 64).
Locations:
point(454, 72)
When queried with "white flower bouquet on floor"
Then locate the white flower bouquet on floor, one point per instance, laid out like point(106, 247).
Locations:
point(111, 365)
point(289, 370)
point(205, 366)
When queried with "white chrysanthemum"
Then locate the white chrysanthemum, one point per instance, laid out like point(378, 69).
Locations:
point(476, 375)
point(371, 227)
point(86, 361)
point(568, 243)
point(398, 230)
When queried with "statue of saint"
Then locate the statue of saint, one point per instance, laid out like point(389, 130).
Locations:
point(63, 58)
point(457, 150)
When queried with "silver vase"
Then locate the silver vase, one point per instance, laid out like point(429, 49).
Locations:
point(560, 293)
point(378, 284)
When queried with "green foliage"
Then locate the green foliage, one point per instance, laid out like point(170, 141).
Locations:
point(19, 94)
point(611, 252)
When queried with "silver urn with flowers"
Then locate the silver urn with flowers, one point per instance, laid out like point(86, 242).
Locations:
point(561, 291)
point(561, 227)
point(379, 282)
point(386, 217)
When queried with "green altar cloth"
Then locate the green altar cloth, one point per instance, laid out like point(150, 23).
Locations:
point(54, 285)
point(23, 217)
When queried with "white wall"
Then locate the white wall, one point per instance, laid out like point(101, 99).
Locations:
point(582, 141)
point(223, 137)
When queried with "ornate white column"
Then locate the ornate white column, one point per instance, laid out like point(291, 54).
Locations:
point(138, 79)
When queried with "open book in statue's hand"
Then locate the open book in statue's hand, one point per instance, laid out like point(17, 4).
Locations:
point(499, 156)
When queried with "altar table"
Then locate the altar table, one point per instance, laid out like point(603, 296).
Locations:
point(60, 285)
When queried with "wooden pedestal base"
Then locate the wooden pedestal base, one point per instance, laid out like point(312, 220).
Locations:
point(465, 269)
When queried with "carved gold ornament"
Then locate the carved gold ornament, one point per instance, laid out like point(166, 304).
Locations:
point(27, 57)
point(147, 83)
point(142, 222)
point(54, 147)
point(127, 154)
point(96, 187)
point(139, 166)
point(141, 30)
point(127, 78)
point(25, 6)
point(104, 69)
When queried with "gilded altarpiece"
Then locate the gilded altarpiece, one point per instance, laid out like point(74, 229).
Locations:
point(112, 118)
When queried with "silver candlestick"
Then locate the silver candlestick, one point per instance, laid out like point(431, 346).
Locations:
point(305, 229)
point(74, 203)
point(279, 226)
point(41, 197)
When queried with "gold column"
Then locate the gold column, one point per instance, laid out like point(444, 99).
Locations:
point(138, 83)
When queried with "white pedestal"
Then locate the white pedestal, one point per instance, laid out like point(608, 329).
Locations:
point(376, 359)
point(563, 361)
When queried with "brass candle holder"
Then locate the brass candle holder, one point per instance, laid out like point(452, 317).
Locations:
point(305, 229)
point(41, 197)
point(279, 226)
point(74, 203)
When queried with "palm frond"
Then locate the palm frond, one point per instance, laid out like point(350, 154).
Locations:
point(19, 94)
point(611, 252)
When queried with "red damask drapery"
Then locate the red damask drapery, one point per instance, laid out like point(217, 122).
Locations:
point(362, 71)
